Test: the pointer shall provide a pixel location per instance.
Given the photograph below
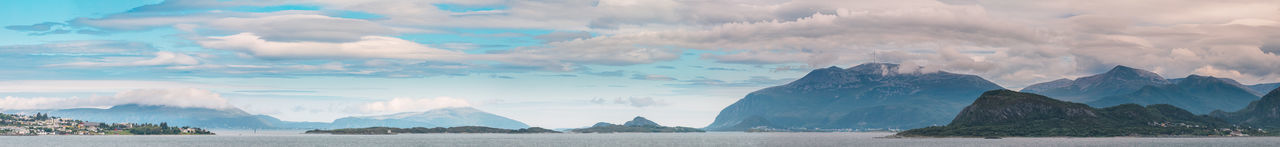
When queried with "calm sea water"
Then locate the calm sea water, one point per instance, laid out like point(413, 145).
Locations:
point(293, 138)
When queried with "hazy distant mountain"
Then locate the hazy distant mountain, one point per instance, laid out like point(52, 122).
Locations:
point(1009, 113)
point(446, 117)
point(872, 95)
point(230, 118)
point(1041, 87)
point(1198, 94)
point(1117, 81)
point(1264, 113)
point(1261, 88)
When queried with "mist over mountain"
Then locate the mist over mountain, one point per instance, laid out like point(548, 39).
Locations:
point(872, 95)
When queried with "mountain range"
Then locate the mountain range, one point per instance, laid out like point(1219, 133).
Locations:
point(234, 118)
point(1123, 85)
point(872, 95)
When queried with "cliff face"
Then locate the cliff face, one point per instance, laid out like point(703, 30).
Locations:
point(873, 95)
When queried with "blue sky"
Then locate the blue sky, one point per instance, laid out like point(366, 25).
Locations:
point(571, 63)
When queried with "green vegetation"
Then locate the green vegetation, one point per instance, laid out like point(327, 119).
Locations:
point(1009, 113)
point(422, 130)
point(161, 129)
point(43, 124)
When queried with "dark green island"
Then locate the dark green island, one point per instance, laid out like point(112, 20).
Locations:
point(1005, 113)
point(637, 125)
point(422, 130)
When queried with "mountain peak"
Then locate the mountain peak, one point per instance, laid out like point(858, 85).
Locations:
point(1122, 68)
point(1120, 80)
point(875, 68)
point(640, 121)
point(1127, 70)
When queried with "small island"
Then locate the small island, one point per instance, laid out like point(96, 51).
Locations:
point(1005, 113)
point(43, 124)
point(637, 125)
point(422, 130)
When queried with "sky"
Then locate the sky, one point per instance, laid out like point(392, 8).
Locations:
point(571, 63)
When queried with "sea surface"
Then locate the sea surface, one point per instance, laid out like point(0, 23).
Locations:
point(295, 138)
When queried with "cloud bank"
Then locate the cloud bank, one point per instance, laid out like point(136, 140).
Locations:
point(412, 104)
point(181, 97)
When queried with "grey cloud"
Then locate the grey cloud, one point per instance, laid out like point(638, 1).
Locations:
point(724, 69)
point(754, 81)
point(616, 73)
point(652, 77)
point(78, 48)
point(39, 27)
point(303, 28)
point(563, 75)
point(562, 36)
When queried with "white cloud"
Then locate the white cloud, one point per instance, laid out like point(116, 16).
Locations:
point(180, 97)
point(412, 104)
point(56, 86)
point(303, 27)
point(161, 58)
point(1014, 43)
point(87, 47)
point(638, 102)
point(644, 102)
point(367, 47)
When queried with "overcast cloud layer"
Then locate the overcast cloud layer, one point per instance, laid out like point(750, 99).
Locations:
point(685, 49)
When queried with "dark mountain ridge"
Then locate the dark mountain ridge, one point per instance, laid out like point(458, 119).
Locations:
point(872, 95)
point(1009, 113)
